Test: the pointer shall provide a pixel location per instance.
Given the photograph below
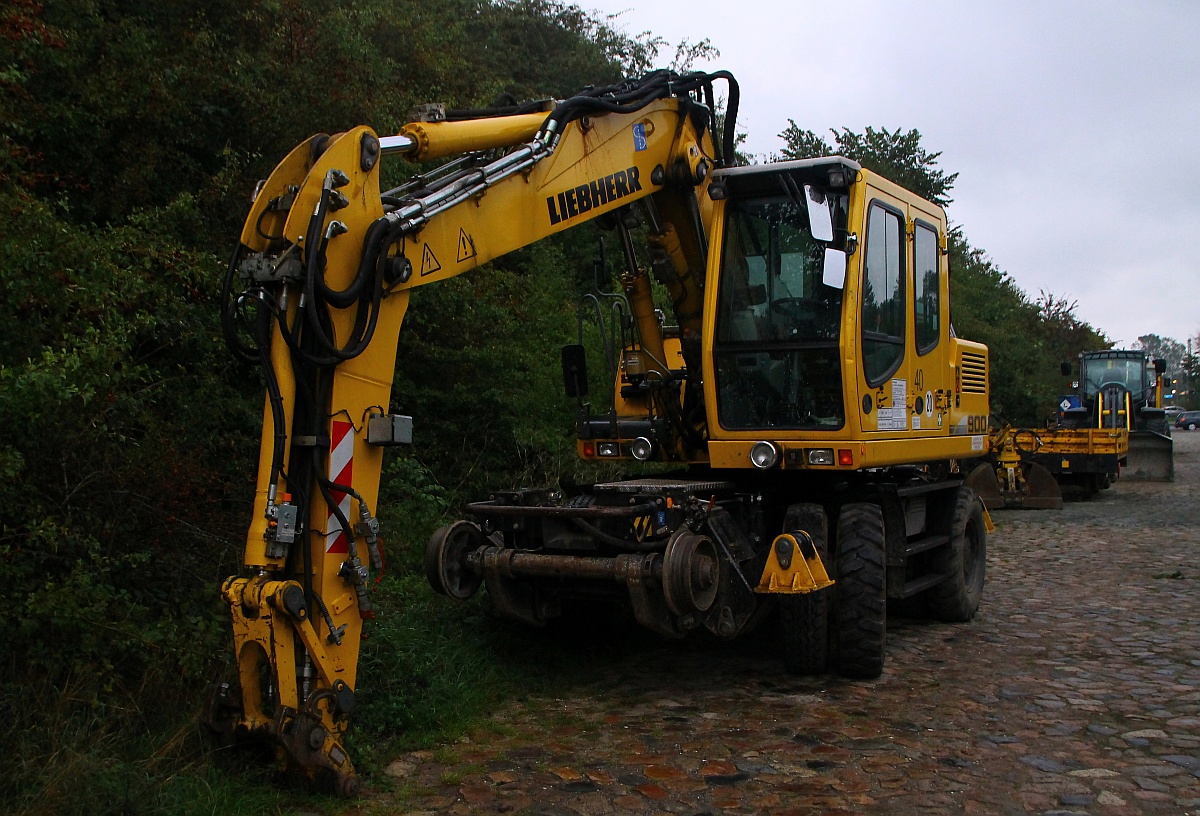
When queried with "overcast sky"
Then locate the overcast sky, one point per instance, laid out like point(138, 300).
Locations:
point(1074, 126)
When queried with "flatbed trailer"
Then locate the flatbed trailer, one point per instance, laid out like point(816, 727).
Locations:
point(1082, 460)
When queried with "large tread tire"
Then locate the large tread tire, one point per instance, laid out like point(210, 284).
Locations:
point(860, 609)
point(963, 561)
point(804, 619)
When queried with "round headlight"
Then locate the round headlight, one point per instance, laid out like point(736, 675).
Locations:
point(764, 455)
point(642, 449)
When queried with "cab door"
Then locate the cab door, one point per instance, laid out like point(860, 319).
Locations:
point(883, 317)
point(932, 368)
point(904, 376)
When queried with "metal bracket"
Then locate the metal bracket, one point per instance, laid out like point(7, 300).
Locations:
point(386, 430)
point(259, 268)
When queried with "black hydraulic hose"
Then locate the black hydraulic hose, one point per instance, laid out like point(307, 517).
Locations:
point(343, 522)
point(324, 612)
point(229, 307)
point(314, 285)
point(367, 316)
point(632, 96)
point(275, 400)
point(344, 298)
point(598, 534)
point(625, 98)
point(728, 145)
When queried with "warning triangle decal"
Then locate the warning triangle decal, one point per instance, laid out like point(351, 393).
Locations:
point(429, 263)
point(466, 245)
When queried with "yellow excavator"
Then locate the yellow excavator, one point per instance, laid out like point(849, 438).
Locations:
point(808, 407)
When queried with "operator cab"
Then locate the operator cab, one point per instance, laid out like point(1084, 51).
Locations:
point(782, 272)
point(1117, 380)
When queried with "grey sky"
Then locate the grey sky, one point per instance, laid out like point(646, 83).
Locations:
point(1074, 126)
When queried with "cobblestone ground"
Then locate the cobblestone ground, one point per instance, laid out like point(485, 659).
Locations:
point(1076, 690)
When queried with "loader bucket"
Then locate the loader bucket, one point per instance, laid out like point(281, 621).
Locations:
point(983, 481)
point(1151, 457)
point(1038, 491)
point(1042, 491)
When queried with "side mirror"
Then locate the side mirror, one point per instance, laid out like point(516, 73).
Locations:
point(834, 272)
point(1160, 366)
point(819, 218)
point(574, 368)
point(1065, 368)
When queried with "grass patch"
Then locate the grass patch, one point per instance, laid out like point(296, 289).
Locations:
point(431, 672)
point(71, 753)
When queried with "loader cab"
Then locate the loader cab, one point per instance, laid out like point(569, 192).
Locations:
point(1114, 384)
point(1120, 387)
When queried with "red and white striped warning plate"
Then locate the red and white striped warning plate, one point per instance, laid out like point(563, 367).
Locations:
point(341, 471)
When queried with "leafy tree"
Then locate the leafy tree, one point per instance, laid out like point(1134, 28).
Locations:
point(1188, 379)
point(1163, 348)
point(1181, 365)
point(895, 155)
point(129, 136)
point(124, 106)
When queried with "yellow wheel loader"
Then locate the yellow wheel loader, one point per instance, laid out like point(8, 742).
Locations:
point(1113, 426)
point(1118, 390)
point(808, 407)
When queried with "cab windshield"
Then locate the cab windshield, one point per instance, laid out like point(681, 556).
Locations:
point(776, 343)
point(1105, 371)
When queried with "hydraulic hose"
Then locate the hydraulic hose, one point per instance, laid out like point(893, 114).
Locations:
point(278, 417)
point(598, 534)
point(229, 307)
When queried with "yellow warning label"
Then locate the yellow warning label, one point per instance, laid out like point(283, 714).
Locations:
point(466, 245)
point(429, 262)
point(643, 526)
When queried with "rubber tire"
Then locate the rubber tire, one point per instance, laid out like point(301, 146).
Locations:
point(860, 608)
point(804, 619)
point(964, 560)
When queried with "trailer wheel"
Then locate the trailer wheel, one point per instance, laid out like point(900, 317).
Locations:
point(804, 619)
point(963, 561)
point(860, 613)
point(446, 560)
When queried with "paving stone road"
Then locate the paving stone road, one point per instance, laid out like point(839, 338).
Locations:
point(1076, 690)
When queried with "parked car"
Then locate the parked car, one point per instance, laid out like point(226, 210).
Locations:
point(1172, 412)
point(1190, 420)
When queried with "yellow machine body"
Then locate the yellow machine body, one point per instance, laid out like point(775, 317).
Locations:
point(328, 260)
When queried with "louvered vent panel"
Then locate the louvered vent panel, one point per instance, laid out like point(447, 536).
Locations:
point(973, 370)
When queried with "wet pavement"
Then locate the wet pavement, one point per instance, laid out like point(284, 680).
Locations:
point(1076, 690)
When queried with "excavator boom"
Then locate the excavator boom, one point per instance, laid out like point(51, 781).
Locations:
point(326, 262)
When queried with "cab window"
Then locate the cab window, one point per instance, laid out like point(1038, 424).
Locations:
point(883, 295)
point(926, 288)
point(776, 347)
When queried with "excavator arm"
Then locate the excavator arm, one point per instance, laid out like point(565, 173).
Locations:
point(315, 295)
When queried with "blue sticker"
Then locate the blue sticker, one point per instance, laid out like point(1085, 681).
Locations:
point(662, 518)
point(639, 137)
